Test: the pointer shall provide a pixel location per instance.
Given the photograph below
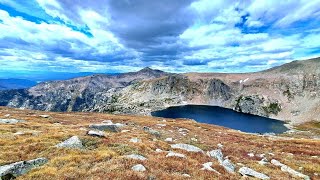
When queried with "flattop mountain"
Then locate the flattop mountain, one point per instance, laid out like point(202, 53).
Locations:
point(290, 92)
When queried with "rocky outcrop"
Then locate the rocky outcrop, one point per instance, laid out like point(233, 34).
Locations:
point(11, 171)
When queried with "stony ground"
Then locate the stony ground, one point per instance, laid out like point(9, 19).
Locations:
point(106, 157)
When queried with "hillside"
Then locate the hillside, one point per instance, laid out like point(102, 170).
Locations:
point(280, 92)
point(33, 134)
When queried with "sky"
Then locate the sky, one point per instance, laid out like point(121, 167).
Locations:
point(110, 36)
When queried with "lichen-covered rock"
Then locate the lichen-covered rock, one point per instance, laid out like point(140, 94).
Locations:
point(291, 171)
point(14, 170)
point(250, 172)
point(186, 147)
point(73, 142)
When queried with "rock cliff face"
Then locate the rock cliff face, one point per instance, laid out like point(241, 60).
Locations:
point(288, 92)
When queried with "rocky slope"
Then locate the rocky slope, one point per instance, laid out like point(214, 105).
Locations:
point(289, 92)
point(34, 145)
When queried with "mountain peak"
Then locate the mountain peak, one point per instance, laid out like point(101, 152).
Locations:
point(146, 69)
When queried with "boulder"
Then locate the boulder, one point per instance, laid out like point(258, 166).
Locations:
point(107, 127)
point(96, 133)
point(217, 154)
point(291, 171)
point(136, 157)
point(73, 142)
point(168, 140)
point(10, 121)
point(139, 168)
point(151, 131)
point(186, 147)
point(250, 172)
point(173, 154)
point(207, 166)
point(11, 171)
point(107, 122)
point(44, 116)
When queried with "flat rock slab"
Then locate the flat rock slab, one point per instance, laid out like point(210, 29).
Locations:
point(73, 142)
point(136, 157)
point(173, 154)
point(291, 171)
point(96, 133)
point(186, 147)
point(107, 127)
point(250, 172)
point(14, 170)
point(228, 165)
point(11, 121)
point(207, 166)
point(44, 116)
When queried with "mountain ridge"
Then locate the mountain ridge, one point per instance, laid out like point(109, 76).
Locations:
point(279, 92)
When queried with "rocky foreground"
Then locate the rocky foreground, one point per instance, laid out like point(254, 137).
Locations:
point(34, 145)
point(290, 92)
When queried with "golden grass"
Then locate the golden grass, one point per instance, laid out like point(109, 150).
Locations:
point(103, 157)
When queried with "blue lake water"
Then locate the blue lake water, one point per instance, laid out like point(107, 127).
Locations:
point(224, 117)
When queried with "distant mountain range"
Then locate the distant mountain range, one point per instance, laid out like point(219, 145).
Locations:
point(288, 92)
point(6, 84)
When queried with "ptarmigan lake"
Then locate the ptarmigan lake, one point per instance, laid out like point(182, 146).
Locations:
point(224, 117)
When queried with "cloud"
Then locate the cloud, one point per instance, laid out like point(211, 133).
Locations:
point(177, 36)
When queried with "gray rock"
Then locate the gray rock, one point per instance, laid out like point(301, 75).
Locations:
point(173, 154)
point(107, 122)
point(96, 133)
point(186, 175)
point(291, 171)
point(14, 170)
point(139, 168)
point(168, 140)
point(250, 172)
point(136, 157)
point(228, 165)
point(11, 121)
point(135, 140)
point(263, 161)
point(186, 147)
point(151, 131)
point(217, 154)
point(107, 127)
point(44, 116)
point(73, 142)
point(207, 166)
